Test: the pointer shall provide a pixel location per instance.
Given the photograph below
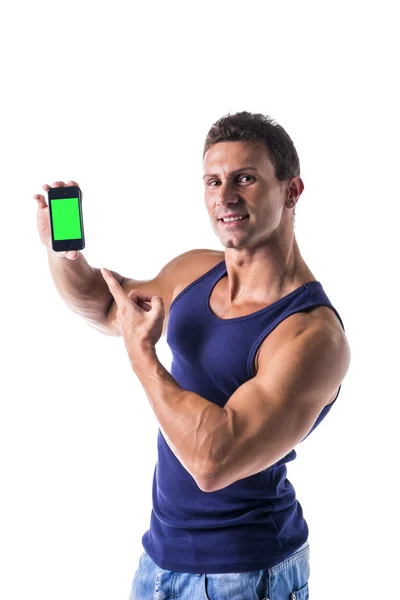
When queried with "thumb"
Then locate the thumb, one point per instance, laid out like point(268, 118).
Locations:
point(157, 302)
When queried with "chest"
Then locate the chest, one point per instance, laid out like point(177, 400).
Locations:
point(218, 305)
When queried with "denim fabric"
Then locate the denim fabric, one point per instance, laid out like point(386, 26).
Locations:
point(287, 580)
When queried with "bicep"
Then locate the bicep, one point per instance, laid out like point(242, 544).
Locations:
point(272, 412)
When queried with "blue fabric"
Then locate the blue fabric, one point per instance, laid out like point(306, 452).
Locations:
point(256, 522)
point(288, 579)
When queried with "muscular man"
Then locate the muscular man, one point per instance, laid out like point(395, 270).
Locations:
point(259, 355)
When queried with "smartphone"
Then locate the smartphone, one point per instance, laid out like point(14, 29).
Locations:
point(66, 221)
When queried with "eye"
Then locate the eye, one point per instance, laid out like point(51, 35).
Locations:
point(238, 179)
point(248, 176)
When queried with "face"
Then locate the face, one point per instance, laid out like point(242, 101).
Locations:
point(240, 179)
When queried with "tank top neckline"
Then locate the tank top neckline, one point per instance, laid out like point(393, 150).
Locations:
point(222, 273)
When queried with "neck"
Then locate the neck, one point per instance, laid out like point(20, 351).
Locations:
point(262, 274)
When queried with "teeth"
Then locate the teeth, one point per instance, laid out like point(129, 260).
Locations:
point(233, 219)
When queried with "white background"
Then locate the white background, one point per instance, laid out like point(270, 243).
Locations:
point(119, 97)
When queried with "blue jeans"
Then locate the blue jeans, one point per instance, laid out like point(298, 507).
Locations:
point(286, 581)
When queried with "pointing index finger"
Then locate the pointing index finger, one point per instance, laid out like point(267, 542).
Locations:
point(114, 286)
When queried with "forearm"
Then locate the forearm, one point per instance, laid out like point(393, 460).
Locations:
point(81, 286)
point(196, 429)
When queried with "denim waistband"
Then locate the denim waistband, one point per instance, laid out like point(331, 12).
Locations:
point(301, 547)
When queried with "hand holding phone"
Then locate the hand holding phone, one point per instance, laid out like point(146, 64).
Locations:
point(60, 223)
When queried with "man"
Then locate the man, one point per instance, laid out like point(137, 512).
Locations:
point(259, 355)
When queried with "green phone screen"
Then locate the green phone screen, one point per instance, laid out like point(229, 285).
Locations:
point(66, 221)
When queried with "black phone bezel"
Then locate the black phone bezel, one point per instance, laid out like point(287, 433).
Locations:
point(71, 191)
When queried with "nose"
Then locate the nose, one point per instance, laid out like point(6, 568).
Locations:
point(226, 195)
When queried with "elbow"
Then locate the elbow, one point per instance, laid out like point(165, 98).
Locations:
point(207, 485)
point(211, 482)
point(203, 487)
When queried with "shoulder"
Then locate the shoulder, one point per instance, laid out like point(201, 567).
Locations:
point(319, 326)
point(191, 265)
point(198, 256)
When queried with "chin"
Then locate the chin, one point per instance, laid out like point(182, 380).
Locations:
point(231, 244)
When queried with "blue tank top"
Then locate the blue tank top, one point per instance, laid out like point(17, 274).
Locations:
point(256, 522)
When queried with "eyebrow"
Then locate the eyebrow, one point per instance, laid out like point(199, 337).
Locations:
point(236, 171)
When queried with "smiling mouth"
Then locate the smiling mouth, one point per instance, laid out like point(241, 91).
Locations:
point(234, 222)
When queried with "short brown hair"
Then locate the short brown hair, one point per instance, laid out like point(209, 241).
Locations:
point(255, 128)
